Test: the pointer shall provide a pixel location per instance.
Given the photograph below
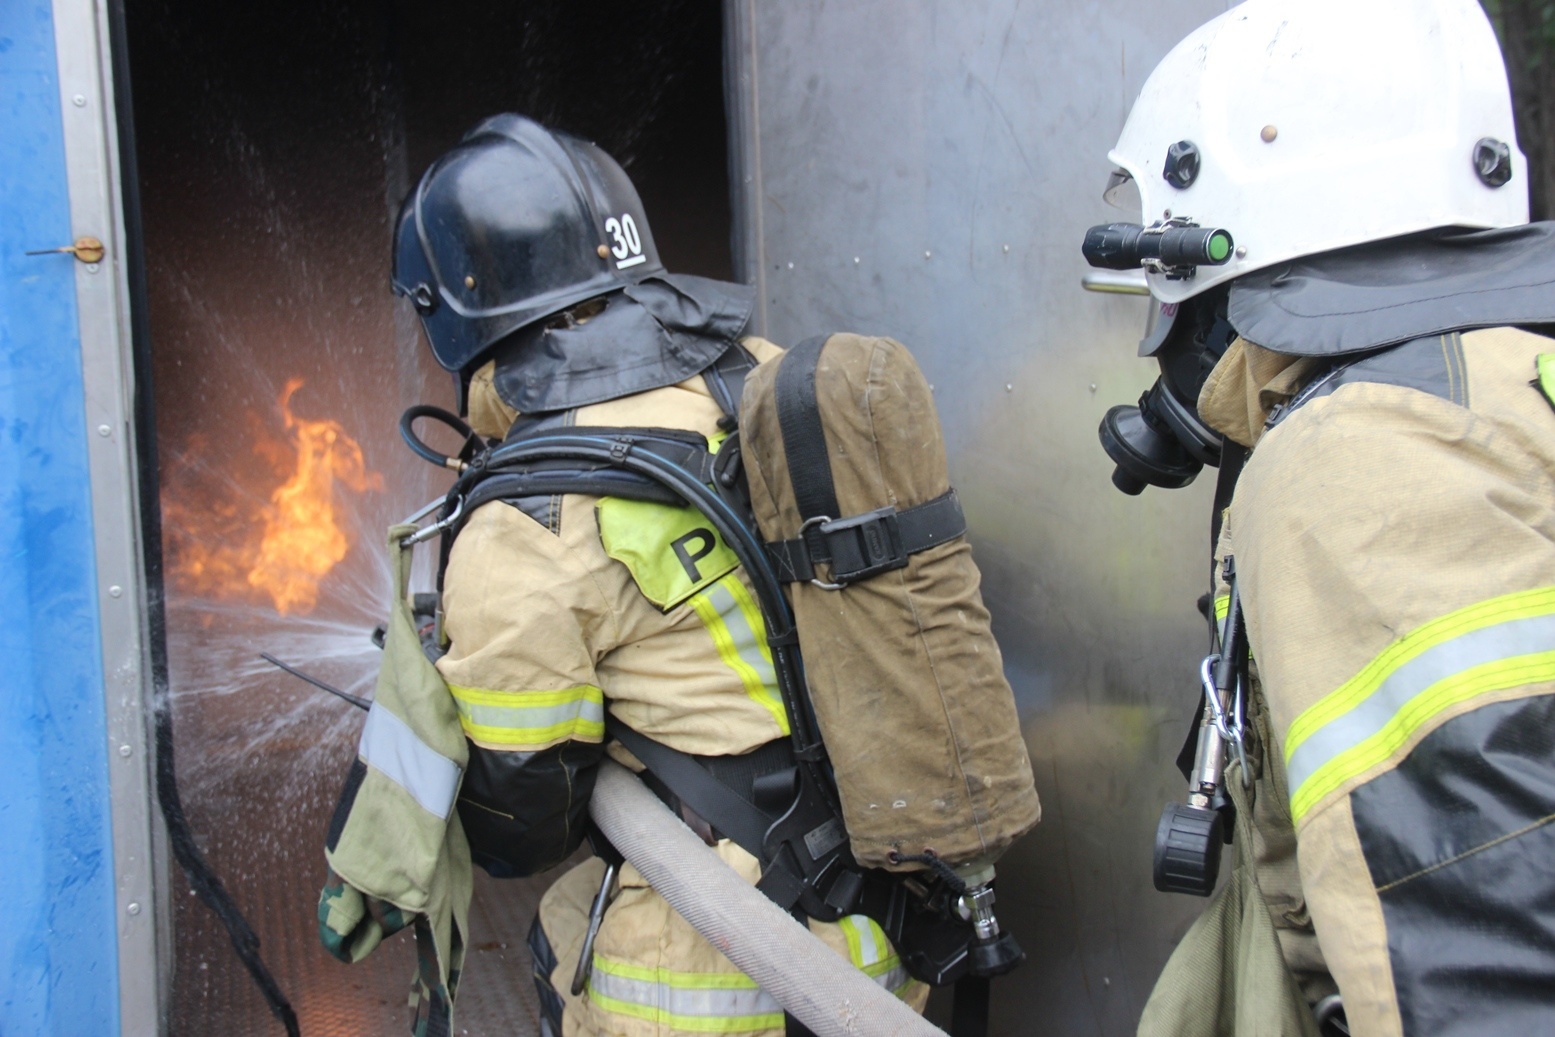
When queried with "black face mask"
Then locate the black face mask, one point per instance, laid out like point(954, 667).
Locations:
point(1161, 441)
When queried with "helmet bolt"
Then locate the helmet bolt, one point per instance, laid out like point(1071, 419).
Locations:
point(604, 251)
point(1492, 161)
point(1182, 164)
point(422, 298)
point(469, 280)
point(1268, 133)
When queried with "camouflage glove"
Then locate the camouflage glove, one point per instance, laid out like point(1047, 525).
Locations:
point(352, 925)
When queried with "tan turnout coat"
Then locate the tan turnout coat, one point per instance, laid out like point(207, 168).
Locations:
point(589, 605)
point(1394, 539)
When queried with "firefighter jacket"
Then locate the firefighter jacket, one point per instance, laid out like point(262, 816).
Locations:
point(561, 608)
point(396, 850)
point(1393, 536)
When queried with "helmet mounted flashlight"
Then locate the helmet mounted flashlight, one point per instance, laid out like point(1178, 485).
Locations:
point(1175, 247)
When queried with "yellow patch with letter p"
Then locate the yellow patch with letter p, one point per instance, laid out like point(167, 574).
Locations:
point(672, 552)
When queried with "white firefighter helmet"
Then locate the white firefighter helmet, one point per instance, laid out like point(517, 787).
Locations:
point(1301, 126)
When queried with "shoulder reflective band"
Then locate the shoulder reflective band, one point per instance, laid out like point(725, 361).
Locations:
point(701, 1002)
point(389, 745)
point(1495, 645)
point(528, 721)
point(1222, 606)
point(871, 952)
point(734, 622)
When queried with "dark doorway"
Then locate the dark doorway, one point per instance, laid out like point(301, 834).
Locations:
point(274, 143)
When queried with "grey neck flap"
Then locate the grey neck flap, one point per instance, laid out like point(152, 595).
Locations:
point(1392, 291)
point(657, 332)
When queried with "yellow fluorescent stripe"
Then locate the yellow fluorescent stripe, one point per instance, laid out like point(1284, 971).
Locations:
point(850, 933)
point(729, 652)
point(670, 978)
point(695, 1023)
point(1420, 710)
point(526, 699)
point(1222, 606)
point(880, 968)
point(1522, 605)
point(742, 597)
point(579, 730)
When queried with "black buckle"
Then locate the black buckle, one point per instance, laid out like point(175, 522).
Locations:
point(864, 545)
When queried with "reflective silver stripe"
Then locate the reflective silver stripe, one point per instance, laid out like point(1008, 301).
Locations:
point(895, 979)
point(867, 942)
point(390, 745)
point(746, 641)
point(728, 612)
point(869, 949)
point(531, 719)
point(1372, 714)
point(519, 715)
point(724, 1003)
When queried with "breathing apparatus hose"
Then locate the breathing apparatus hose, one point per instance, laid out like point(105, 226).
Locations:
point(763, 941)
point(787, 663)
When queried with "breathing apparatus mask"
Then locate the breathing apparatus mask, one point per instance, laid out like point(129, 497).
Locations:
point(1161, 441)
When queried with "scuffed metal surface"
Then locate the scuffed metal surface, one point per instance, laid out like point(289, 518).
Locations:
point(928, 174)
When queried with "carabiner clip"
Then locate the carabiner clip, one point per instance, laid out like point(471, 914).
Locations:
point(1230, 727)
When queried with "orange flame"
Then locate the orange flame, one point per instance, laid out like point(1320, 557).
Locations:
point(216, 549)
point(302, 542)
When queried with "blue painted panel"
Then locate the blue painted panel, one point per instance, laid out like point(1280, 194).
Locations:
point(58, 949)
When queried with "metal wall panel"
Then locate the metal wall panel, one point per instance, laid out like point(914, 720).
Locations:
point(927, 170)
point(89, 128)
point(74, 837)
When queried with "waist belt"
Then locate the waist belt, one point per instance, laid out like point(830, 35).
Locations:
point(861, 546)
point(739, 796)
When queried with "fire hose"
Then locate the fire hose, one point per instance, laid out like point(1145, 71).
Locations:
point(763, 941)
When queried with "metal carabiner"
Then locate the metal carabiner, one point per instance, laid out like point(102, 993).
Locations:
point(1230, 727)
point(602, 899)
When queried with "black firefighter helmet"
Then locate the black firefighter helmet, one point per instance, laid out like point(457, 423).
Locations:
point(513, 225)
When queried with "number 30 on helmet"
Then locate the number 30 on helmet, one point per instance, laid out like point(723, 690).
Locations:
point(514, 225)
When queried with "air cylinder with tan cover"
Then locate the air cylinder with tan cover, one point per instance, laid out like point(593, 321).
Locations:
point(850, 488)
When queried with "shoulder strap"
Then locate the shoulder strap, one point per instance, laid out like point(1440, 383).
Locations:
point(725, 378)
point(1434, 364)
point(804, 442)
point(719, 805)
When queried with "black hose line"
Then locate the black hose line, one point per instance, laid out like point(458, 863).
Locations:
point(202, 877)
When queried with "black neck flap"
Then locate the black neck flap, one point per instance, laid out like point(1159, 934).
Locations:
point(1387, 292)
point(659, 332)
